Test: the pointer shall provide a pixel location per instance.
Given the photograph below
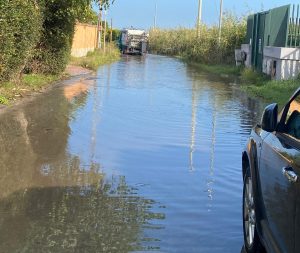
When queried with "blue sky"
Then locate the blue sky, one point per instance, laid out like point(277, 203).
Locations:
point(174, 13)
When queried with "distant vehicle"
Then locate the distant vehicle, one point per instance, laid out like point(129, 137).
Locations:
point(271, 169)
point(133, 41)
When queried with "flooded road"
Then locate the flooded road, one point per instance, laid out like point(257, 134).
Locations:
point(143, 156)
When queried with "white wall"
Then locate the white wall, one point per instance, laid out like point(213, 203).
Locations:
point(287, 62)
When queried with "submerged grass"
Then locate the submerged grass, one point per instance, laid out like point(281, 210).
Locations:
point(10, 91)
point(231, 70)
point(97, 58)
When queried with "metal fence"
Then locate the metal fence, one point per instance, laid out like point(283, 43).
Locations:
point(279, 27)
point(294, 27)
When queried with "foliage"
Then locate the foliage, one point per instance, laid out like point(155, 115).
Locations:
point(53, 50)
point(89, 16)
point(97, 58)
point(20, 26)
point(183, 42)
point(3, 100)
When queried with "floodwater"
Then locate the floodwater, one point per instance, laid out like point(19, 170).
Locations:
point(143, 156)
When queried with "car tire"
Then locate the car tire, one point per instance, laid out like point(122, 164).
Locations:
point(251, 239)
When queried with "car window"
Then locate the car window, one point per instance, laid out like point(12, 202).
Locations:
point(292, 123)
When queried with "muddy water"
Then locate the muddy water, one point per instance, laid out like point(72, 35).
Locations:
point(143, 156)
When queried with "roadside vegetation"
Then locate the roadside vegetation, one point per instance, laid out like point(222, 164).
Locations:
point(97, 58)
point(36, 41)
point(210, 56)
point(230, 70)
point(13, 90)
point(206, 49)
point(271, 91)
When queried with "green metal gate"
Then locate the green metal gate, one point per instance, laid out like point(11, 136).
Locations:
point(271, 28)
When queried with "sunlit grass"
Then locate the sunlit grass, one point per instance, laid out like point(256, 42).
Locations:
point(10, 91)
point(272, 91)
point(98, 58)
point(217, 69)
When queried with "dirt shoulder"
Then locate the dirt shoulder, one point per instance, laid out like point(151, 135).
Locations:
point(16, 94)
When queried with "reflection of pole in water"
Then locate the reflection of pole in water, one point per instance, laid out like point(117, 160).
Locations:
point(212, 156)
point(193, 128)
point(108, 80)
point(95, 118)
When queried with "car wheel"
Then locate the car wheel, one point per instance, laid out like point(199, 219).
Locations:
point(251, 239)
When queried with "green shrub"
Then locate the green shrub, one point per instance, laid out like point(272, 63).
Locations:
point(20, 26)
point(53, 50)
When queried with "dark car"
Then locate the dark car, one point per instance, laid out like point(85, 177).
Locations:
point(271, 195)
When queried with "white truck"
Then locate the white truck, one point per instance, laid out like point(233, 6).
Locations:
point(133, 41)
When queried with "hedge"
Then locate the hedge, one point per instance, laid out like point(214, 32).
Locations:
point(20, 26)
point(36, 35)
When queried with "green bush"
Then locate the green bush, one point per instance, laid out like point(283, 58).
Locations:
point(20, 26)
point(53, 50)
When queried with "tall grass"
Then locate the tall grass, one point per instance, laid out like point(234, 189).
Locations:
point(183, 42)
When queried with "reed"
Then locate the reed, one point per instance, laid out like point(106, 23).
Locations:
point(184, 43)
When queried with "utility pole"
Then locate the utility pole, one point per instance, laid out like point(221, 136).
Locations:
point(155, 16)
point(104, 37)
point(220, 21)
point(199, 18)
point(100, 25)
point(111, 30)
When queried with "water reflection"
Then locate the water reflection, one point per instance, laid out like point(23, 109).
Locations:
point(50, 200)
point(104, 217)
point(104, 164)
point(194, 106)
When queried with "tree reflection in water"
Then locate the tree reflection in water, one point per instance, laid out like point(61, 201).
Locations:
point(50, 201)
point(106, 216)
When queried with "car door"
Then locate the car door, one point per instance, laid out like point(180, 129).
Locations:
point(278, 169)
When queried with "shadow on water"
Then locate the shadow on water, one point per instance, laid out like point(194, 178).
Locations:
point(50, 201)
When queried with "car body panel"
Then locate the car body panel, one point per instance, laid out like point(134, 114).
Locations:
point(277, 197)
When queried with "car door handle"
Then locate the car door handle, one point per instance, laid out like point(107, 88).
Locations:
point(290, 174)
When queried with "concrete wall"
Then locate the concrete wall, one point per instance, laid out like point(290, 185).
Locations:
point(281, 63)
point(248, 50)
point(85, 39)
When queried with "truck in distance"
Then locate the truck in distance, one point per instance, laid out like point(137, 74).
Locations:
point(133, 41)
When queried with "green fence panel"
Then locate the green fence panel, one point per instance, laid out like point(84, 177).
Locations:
point(278, 26)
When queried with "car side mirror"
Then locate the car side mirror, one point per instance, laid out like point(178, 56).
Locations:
point(269, 118)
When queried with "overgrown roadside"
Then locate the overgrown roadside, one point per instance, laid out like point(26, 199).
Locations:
point(29, 83)
point(255, 84)
point(97, 58)
point(272, 91)
point(217, 57)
